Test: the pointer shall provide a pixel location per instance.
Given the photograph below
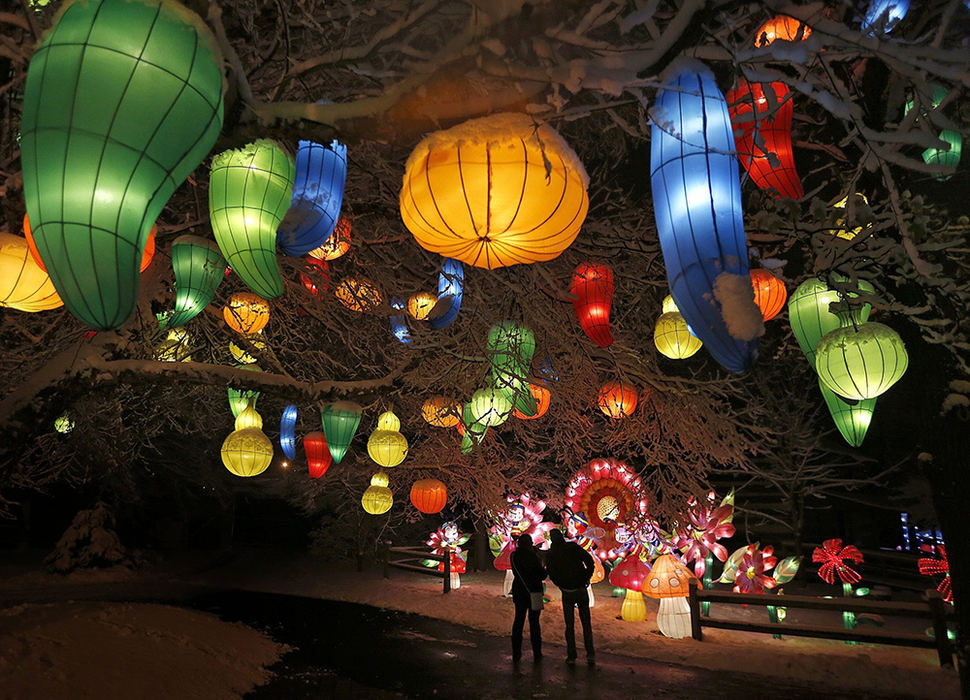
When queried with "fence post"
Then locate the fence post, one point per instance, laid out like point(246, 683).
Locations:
point(447, 581)
point(387, 557)
point(695, 611)
point(938, 611)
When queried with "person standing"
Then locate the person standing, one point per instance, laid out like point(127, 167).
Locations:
point(528, 574)
point(570, 568)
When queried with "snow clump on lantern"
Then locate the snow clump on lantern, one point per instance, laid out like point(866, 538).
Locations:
point(669, 580)
point(386, 445)
point(429, 495)
point(377, 498)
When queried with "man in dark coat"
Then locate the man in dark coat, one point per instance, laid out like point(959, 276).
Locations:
point(571, 567)
point(529, 574)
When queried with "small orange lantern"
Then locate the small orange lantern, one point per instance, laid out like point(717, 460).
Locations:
point(781, 28)
point(769, 293)
point(146, 256)
point(246, 313)
point(420, 305)
point(441, 412)
point(542, 396)
point(617, 399)
point(429, 495)
point(358, 294)
point(338, 243)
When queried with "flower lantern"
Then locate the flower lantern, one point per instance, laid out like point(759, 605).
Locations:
point(673, 338)
point(769, 293)
point(337, 244)
point(249, 192)
point(64, 423)
point(358, 294)
point(318, 457)
point(441, 412)
point(429, 496)
point(288, 431)
point(852, 418)
point(697, 205)
point(318, 192)
point(496, 191)
point(883, 15)
point(340, 421)
point(238, 398)
point(114, 119)
point(781, 28)
point(247, 452)
point(750, 575)
point(861, 362)
point(490, 407)
point(377, 498)
point(246, 313)
point(386, 445)
point(610, 494)
point(420, 305)
point(808, 312)
point(451, 283)
point(669, 580)
point(630, 574)
point(199, 268)
point(617, 400)
point(592, 286)
point(23, 285)
point(314, 270)
point(543, 398)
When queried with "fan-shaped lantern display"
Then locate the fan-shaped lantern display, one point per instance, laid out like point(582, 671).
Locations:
point(882, 16)
point(490, 407)
point(669, 580)
point(947, 157)
point(199, 268)
point(146, 256)
point(451, 283)
point(769, 293)
point(542, 396)
point(852, 418)
point(673, 338)
point(318, 192)
point(617, 399)
point(249, 418)
point(496, 191)
point(697, 205)
point(64, 423)
point(593, 287)
point(247, 452)
point(288, 431)
point(509, 348)
point(241, 355)
point(441, 412)
point(358, 294)
point(249, 192)
point(761, 116)
point(377, 498)
point(861, 362)
point(420, 305)
point(808, 312)
point(315, 270)
point(429, 496)
point(246, 313)
point(668, 305)
point(340, 421)
point(781, 28)
point(23, 285)
point(318, 457)
point(238, 398)
point(386, 445)
point(337, 245)
point(123, 99)
point(175, 348)
point(630, 574)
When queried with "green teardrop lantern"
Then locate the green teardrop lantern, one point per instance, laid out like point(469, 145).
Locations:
point(199, 268)
point(490, 407)
point(123, 99)
point(340, 421)
point(240, 398)
point(809, 315)
point(510, 348)
point(852, 418)
point(249, 192)
point(861, 362)
point(474, 431)
point(939, 156)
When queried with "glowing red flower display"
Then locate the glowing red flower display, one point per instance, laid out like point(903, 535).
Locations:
point(832, 557)
point(706, 525)
point(750, 576)
point(934, 566)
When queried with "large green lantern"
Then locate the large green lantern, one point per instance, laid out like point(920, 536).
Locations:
point(852, 418)
point(249, 193)
point(199, 268)
point(340, 421)
point(510, 348)
point(861, 362)
point(123, 99)
point(808, 312)
point(240, 398)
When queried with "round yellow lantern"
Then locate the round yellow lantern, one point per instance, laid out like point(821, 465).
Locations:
point(23, 285)
point(386, 445)
point(496, 191)
point(337, 244)
point(246, 313)
point(358, 294)
point(673, 338)
point(247, 452)
point(377, 498)
point(420, 305)
point(441, 412)
point(241, 355)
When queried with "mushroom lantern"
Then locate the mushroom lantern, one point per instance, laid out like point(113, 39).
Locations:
point(630, 574)
point(669, 580)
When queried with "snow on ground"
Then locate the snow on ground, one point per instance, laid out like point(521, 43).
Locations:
point(122, 650)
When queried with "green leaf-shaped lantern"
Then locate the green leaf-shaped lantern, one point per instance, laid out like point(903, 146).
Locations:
point(852, 418)
point(240, 398)
point(199, 268)
point(510, 348)
point(340, 421)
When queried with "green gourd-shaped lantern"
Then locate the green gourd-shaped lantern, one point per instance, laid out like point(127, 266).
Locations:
point(240, 398)
point(808, 312)
point(861, 361)
point(249, 192)
point(199, 268)
point(509, 349)
point(852, 418)
point(123, 99)
point(340, 421)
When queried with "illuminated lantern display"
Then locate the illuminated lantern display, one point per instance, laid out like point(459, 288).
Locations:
point(949, 158)
point(146, 256)
point(114, 119)
point(496, 191)
point(246, 313)
point(669, 580)
point(523, 516)
point(420, 305)
point(64, 423)
point(238, 398)
point(610, 494)
point(490, 407)
point(429, 496)
point(377, 498)
point(358, 294)
point(697, 205)
point(673, 338)
point(769, 293)
point(315, 270)
point(337, 244)
point(249, 192)
point(808, 312)
point(593, 287)
point(242, 355)
point(509, 349)
point(175, 347)
point(765, 109)
point(858, 200)
point(883, 15)
point(630, 574)
point(447, 541)
point(318, 457)
point(617, 400)
point(852, 418)
point(23, 285)
point(318, 192)
point(451, 283)
point(288, 431)
point(781, 28)
point(249, 418)
point(668, 305)
point(399, 325)
point(247, 451)
point(441, 412)
point(542, 396)
point(386, 445)
point(340, 421)
point(861, 362)
point(199, 268)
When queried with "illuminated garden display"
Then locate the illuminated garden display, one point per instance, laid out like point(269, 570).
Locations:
point(610, 494)
point(835, 560)
point(447, 541)
point(669, 581)
point(630, 574)
point(521, 516)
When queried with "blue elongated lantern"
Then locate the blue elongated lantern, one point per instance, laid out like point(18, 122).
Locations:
point(288, 432)
point(399, 326)
point(883, 15)
point(451, 282)
point(697, 206)
point(318, 193)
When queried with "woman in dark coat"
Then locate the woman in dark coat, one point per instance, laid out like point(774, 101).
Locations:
point(528, 574)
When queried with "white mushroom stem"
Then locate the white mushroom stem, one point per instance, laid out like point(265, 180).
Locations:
point(673, 618)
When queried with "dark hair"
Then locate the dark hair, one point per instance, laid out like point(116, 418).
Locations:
point(525, 542)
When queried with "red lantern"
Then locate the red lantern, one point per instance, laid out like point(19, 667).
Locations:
point(593, 286)
point(318, 455)
point(429, 495)
point(542, 396)
point(617, 399)
point(769, 159)
point(316, 266)
point(769, 293)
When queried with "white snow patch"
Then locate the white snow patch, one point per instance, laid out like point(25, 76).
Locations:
point(741, 315)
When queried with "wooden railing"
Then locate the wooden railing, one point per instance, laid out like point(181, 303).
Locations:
point(934, 610)
point(417, 554)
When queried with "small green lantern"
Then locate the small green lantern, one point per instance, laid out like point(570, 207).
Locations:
point(809, 315)
point(199, 268)
point(852, 418)
point(340, 421)
point(63, 423)
point(240, 398)
point(861, 362)
point(949, 158)
point(490, 407)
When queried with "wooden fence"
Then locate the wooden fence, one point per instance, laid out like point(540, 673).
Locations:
point(417, 554)
point(934, 610)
